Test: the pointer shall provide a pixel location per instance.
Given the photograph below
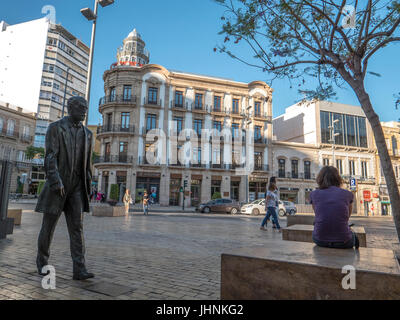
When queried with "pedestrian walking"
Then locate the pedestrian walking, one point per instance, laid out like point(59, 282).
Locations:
point(271, 204)
point(272, 180)
point(145, 200)
point(127, 201)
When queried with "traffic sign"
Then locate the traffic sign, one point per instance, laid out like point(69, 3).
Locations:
point(353, 184)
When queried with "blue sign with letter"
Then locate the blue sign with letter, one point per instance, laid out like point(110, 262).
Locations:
point(353, 184)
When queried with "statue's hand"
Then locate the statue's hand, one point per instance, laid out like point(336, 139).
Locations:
point(62, 191)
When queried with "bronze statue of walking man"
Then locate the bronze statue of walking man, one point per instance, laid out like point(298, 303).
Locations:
point(67, 188)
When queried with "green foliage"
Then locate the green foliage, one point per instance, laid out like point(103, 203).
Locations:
point(40, 187)
point(114, 192)
point(216, 195)
point(32, 152)
point(310, 40)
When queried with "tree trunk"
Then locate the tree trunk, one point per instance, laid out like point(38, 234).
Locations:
point(386, 162)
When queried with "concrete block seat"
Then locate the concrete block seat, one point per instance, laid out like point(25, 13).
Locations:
point(301, 270)
point(302, 232)
point(16, 214)
point(300, 219)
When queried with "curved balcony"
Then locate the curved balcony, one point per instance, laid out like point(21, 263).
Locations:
point(113, 160)
point(115, 129)
point(117, 99)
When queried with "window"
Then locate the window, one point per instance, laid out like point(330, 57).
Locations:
point(235, 130)
point(257, 134)
point(257, 109)
point(295, 169)
point(112, 94)
point(107, 151)
point(235, 106)
point(179, 124)
point(153, 93)
point(1, 124)
point(198, 104)
point(179, 99)
point(109, 121)
point(258, 160)
point(127, 93)
point(351, 130)
point(217, 103)
point(123, 148)
point(217, 125)
point(307, 169)
point(10, 127)
point(52, 42)
point(281, 168)
point(151, 121)
point(394, 146)
point(352, 169)
point(325, 162)
point(339, 166)
point(125, 120)
point(364, 171)
point(197, 155)
point(198, 123)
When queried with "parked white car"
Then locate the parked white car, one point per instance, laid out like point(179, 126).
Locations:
point(258, 207)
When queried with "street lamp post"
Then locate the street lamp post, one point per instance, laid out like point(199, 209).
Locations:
point(248, 122)
point(92, 16)
point(332, 140)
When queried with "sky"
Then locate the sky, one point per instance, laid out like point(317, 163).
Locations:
point(181, 35)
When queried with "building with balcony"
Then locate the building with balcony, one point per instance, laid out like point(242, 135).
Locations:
point(391, 130)
point(340, 135)
point(163, 127)
point(16, 134)
point(38, 61)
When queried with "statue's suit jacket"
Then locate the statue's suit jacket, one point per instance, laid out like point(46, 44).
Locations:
point(58, 167)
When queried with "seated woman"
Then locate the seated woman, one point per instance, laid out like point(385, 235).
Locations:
point(332, 206)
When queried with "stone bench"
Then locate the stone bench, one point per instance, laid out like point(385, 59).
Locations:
point(301, 270)
point(302, 232)
point(300, 219)
point(16, 214)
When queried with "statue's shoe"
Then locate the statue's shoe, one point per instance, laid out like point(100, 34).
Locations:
point(83, 275)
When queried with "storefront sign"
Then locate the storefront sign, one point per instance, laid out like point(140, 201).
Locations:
point(367, 195)
point(375, 195)
point(149, 174)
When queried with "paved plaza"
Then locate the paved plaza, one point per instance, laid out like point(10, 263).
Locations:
point(160, 256)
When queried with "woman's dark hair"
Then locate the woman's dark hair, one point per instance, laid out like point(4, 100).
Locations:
point(329, 176)
point(272, 186)
point(272, 180)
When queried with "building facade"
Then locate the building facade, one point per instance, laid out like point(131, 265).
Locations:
point(57, 65)
point(16, 134)
point(391, 130)
point(341, 136)
point(201, 125)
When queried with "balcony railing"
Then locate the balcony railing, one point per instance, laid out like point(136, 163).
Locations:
point(261, 167)
point(26, 138)
point(114, 159)
point(152, 102)
point(115, 128)
point(292, 175)
point(260, 140)
point(122, 99)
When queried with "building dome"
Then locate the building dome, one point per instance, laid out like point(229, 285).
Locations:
point(133, 51)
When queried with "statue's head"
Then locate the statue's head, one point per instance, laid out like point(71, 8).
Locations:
point(77, 108)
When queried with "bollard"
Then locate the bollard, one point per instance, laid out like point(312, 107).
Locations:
point(5, 180)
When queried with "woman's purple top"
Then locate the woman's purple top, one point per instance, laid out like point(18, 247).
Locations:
point(331, 214)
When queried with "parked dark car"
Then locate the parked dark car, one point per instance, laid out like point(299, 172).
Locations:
point(220, 206)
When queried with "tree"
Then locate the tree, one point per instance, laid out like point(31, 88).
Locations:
point(330, 40)
point(31, 152)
